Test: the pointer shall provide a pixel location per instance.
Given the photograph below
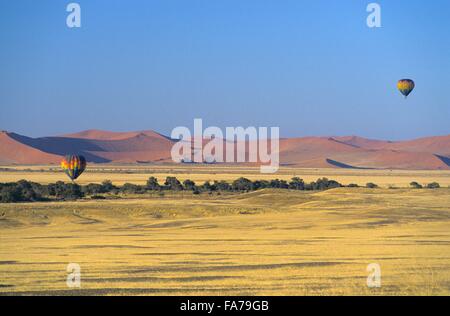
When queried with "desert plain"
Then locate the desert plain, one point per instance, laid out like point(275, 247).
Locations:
point(265, 242)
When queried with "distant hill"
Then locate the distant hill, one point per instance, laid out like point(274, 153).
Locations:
point(428, 153)
point(431, 153)
point(96, 146)
point(437, 145)
point(16, 152)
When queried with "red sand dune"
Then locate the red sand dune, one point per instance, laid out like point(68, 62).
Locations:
point(14, 152)
point(437, 144)
point(138, 147)
point(149, 146)
point(107, 135)
point(359, 152)
point(362, 142)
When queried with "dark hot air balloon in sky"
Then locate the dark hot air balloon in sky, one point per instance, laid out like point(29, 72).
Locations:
point(405, 86)
point(73, 165)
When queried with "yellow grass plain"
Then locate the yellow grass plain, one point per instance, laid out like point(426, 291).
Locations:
point(267, 242)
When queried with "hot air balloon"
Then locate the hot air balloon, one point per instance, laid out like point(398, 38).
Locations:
point(405, 86)
point(73, 165)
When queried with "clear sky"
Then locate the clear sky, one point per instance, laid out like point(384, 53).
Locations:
point(310, 67)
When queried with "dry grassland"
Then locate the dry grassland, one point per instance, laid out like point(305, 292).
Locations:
point(267, 242)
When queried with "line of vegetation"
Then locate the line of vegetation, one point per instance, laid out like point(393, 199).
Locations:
point(432, 185)
point(26, 191)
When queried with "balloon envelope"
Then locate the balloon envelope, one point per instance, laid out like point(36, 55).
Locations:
point(405, 86)
point(73, 165)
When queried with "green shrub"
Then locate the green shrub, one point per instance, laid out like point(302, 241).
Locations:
point(278, 184)
point(152, 184)
point(433, 185)
point(70, 191)
point(172, 183)
point(189, 185)
point(21, 191)
point(94, 188)
point(416, 185)
point(107, 186)
point(10, 194)
point(132, 189)
point(324, 184)
point(223, 186)
point(242, 184)
point(206, 186)
point(297, 184)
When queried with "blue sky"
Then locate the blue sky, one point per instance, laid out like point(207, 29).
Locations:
point(309, 67)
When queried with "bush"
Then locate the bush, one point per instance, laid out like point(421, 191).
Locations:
point(93, 188)
point(132, 189)
point(371, 185)
point(22, 191)
point(10, 194)
point(433, 185)
point(70, 191)
point(258, 185)
point(107, 186)
point(297, 184)
point(189, 185)
point(41, 190)
point(152, 184)
point(324, 184)
point(261, 184)
point(172, 183)
point(278, 184)
point(242, 184)
point(206, 186)
point(223, 186)
point(352, 185)
point(416, 185)
point(27, 192)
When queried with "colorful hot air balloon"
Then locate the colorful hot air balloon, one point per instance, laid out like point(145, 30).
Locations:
point(73, 165)
point(405, 86)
